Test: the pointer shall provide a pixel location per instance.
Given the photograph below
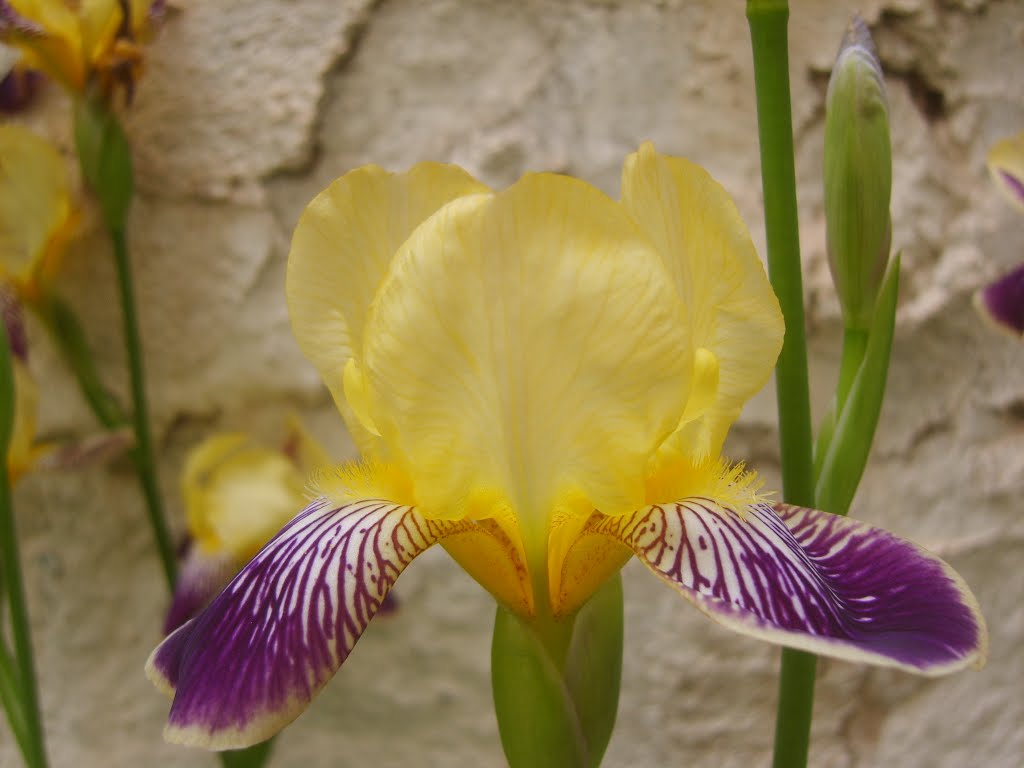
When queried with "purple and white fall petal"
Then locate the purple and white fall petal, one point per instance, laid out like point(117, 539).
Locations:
point(810, 580)
point(251, 662)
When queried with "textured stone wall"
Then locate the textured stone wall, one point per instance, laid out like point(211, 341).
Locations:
point(249, 108)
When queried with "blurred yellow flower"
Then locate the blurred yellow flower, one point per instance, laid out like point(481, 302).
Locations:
point(238, 494)
point(37, 217)
point(81, 44)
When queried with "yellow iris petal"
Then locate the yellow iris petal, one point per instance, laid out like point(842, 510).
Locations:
point(57, 50)
point(238, 494)
point(526, 354)
point(36, 216)
point(341, 250)
point(99, 21)
point(732, 311)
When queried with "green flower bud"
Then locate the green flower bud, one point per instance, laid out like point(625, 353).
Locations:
point(858, 175)
point(105, 159)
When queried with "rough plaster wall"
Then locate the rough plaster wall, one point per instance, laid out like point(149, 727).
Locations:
point(249, 109)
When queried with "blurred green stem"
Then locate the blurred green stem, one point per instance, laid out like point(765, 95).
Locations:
point(10, 698)
point(145, 462)
point(67, 334)
point(10, 561)
point(768, 21)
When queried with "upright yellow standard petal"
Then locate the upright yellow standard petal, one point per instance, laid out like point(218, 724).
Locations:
point(734, 315)
point(35, 206)
point(340, 252)
point(238, 494)
point(524, 357)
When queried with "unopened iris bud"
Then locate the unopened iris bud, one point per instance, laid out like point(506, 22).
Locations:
point(858, 175)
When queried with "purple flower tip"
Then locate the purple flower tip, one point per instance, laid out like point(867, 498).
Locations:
point(1002, 301)
point(18, 89)
point(1014, 184)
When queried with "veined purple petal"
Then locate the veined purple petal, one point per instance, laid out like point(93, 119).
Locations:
point(251, 662)
point(810, 580)
point(1002, 301)
point(201, 577)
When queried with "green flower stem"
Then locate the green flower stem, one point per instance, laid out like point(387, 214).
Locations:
point(251, 757)
point(67, 334)
point(537, 720)
point(10, 562)
point(768, 21)
point(145, 463)
point(556, 682)
point(10, 699)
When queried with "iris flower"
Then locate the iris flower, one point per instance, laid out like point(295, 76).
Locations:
point(238, 493)
point(540, 380)
point(37, 217)
point(1002, 301)
point(90, 43)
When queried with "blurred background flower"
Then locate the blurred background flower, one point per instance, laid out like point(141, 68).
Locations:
point(37, 215)
point(1002, 301)
point(82, 44)
point(238, 493)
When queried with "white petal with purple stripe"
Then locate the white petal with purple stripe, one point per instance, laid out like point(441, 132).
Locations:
point(810, 580)
point(252, 662)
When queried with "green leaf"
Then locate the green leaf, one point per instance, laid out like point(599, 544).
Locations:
point(537, 720)
point(850, 446)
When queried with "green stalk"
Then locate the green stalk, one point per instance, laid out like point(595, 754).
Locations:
point(10, 562)
point(67, 334)
point(251, 757)
point(145, 463)
point(537, 720)
point(10, 699)
point(768, 21)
